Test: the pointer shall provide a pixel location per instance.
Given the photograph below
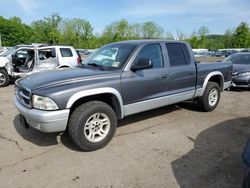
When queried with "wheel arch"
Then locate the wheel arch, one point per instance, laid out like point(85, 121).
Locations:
point(216, 77)
point(108, 95)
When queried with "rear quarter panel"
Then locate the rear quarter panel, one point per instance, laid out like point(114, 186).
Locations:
point(203, 69)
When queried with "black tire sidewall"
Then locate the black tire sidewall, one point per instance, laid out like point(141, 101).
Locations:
point(7, 79)
point(210, 86)
point(97, 107)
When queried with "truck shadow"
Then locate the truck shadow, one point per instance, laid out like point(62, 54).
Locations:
point(235, 89)
point(215, 160)
point(48, 139)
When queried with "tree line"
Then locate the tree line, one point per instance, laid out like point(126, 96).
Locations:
point(80, 33)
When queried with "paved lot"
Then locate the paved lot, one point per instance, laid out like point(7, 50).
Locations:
point(176, 146)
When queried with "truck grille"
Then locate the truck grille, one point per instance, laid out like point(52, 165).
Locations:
point(23, 95)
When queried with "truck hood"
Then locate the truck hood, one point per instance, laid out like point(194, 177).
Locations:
point(237, 68)
point(60, 77)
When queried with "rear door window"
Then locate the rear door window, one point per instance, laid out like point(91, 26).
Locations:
point(66, 52)
point(176, 54)
point(47, 58)
point(186, 53)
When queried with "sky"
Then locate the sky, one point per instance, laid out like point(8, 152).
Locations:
point(184, 15)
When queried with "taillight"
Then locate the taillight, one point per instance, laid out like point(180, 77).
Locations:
point(78, 60)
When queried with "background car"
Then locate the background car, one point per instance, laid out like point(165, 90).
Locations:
point(21, 61)
point(241, 69)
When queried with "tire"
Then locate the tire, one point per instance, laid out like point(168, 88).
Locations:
point(4, 78)
point(92, 125)
point(210, 98)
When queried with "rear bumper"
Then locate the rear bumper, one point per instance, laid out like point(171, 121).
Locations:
point(45, 121)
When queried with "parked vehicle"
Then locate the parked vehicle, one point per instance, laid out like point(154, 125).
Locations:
point(241, 69)
point(137, 76)
point(246, 160)
point(23, 60)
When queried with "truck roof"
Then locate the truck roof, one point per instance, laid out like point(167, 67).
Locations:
point(145, 41)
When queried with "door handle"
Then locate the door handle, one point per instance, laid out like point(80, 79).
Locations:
point(191, 74)
point(164, 76)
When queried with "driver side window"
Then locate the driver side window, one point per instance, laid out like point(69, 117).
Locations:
point(152, 52)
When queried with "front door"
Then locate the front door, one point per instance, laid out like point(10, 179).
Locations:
point(141, 88)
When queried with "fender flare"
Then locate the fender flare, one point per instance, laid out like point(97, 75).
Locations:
point(200, 91)
point(91, 92)
point(210, 75)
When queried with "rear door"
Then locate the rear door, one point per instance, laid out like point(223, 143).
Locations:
point(182, 72)
point(46, 60)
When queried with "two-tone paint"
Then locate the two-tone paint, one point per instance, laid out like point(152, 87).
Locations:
point(131, 92)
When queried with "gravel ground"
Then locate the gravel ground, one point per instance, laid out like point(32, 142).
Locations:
point(175, 146)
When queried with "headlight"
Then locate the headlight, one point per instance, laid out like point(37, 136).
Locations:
point(244, 74)
point(43, 103)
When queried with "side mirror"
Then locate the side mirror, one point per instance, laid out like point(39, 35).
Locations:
point(141, 64)
point(53, 52)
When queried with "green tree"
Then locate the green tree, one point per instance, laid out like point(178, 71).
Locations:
point(228, 43)
point(47, 29)
point(169, 35)
point(152, 30)
point(241, 36)
point(117, 31)
point(14, 32)
point(202, 32)
point(180, 35)
point(76, 32)
point(193, 40)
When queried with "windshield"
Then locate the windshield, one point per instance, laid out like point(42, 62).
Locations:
point(243, 59)
point(10, 51)
point(112, 56)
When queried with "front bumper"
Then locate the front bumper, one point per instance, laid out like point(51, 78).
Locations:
point(243, 81)
point(45, 121)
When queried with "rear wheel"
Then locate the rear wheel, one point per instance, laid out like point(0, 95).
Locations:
point(4, 78)
point(92, 125)
point(210, 98)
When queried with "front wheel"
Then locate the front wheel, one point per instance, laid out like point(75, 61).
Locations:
point(4, 78)
point(92, 125)
point(210, 98)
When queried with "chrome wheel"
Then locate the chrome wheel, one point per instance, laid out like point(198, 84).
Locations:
point(213, 97)
point(2, 78)
point(97, 127)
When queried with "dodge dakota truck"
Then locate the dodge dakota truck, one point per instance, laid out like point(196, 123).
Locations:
point(117, 80)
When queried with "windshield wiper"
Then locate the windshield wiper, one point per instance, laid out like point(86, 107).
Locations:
point(96, 65)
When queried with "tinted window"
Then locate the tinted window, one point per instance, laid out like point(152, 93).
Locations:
point(66, 52)
point(153, 53)
point(239, 59)
point(176, 55)
point(186, 53)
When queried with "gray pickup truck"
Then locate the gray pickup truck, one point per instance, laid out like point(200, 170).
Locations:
point(118, 80)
